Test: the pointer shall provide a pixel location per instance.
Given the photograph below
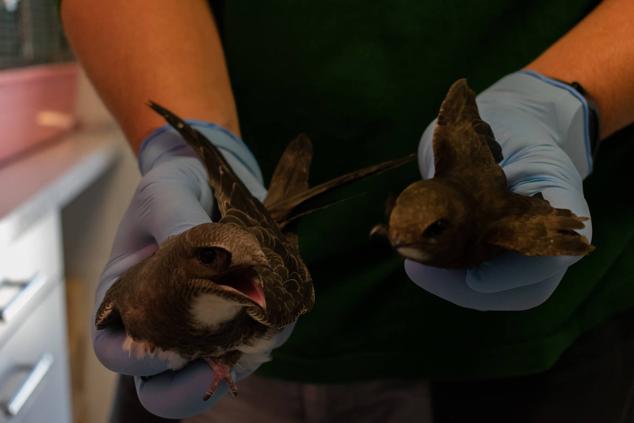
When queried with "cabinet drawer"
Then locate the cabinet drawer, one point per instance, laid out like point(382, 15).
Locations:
point(29, 267)
point(34, 384)
point(38, 248)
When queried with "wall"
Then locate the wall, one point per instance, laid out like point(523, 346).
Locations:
point(89, 223)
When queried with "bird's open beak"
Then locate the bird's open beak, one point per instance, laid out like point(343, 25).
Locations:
point(246, 282)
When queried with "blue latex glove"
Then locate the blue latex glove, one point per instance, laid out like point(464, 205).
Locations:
point(172, 197)
point(542, 126)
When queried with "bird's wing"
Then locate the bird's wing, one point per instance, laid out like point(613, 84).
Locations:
point(228, 189)
point(284, 210)
point(542, 230)
point(461, 137)
point(291, 174)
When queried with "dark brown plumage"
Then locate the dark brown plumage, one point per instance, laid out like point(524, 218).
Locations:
point(465, 214)
point(223, 289)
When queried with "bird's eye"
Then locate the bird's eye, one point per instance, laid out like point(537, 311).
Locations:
point(436, 228)
point(216, 257)
point(206, 255)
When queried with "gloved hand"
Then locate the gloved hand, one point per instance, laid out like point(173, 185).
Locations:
point(542, 126)
point(172, 197)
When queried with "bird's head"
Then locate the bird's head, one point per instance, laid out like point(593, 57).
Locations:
point(427, 223)
point(219, 261)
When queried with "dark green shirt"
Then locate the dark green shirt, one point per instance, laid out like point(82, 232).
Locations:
point(363, 80)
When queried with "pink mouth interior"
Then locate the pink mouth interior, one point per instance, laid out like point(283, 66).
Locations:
point(246, 283)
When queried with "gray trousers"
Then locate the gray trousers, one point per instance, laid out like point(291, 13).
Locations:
point(593, 382)
point(266, 400)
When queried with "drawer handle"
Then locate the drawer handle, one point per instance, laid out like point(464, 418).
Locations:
point(22, 395)
point(23, 297)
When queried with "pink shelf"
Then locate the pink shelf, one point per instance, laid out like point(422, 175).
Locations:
point(37, 105)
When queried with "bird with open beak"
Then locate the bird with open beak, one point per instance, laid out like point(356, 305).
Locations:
point(223, 291)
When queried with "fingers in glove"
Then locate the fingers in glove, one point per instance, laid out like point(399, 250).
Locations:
point(450, 285)
point(109, 347)
point(178, 394)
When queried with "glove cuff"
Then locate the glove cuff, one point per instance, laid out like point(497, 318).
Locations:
point(563, 106)
point(166, 142)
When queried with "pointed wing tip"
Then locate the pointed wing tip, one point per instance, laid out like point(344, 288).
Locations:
point(290, 176)
point(189, 134)
point(156, 107)
point(458, 103)
point(303, 136)
point(167, 114)
point(461, 85)
point(303, 141)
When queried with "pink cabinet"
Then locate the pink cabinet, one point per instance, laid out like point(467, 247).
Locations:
point(36, 106)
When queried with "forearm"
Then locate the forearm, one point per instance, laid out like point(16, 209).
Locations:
point(599, 54)
point(162, 50)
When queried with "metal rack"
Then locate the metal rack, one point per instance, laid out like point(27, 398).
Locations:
point(31, 33)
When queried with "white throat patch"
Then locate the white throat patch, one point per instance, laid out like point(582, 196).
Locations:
point(209, 310)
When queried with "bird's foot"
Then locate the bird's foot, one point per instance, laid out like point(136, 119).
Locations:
point(221, 372)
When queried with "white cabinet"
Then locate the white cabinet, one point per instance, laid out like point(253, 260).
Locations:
point(34, 377)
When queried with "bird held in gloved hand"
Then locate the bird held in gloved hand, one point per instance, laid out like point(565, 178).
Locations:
point(219, 290)
point(466, 213)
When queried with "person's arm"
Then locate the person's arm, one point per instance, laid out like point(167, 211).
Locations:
point(599, 54)
point(164, 50)
point(543, 128)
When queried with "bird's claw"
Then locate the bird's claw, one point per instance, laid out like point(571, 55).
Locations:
point(220, 372)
